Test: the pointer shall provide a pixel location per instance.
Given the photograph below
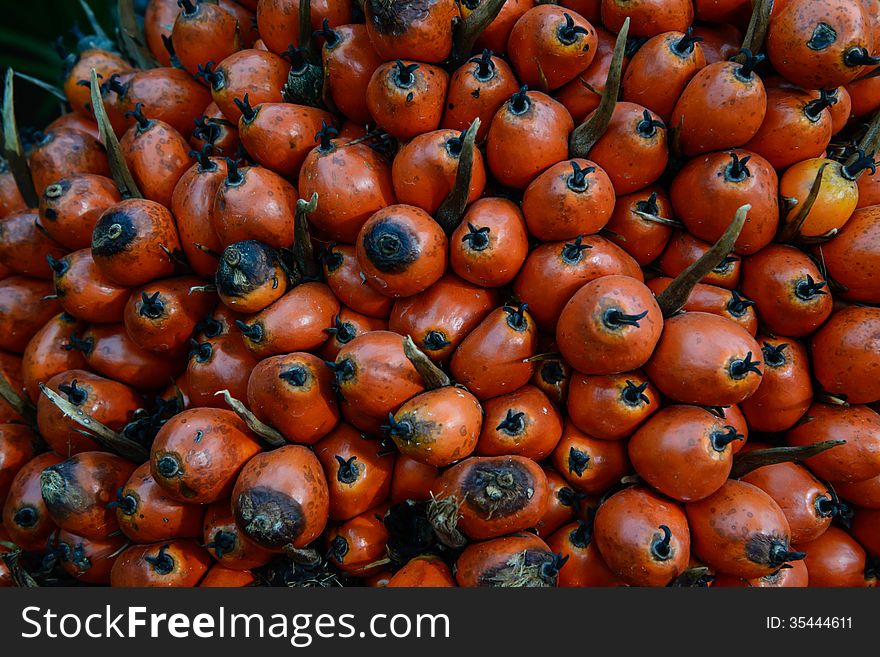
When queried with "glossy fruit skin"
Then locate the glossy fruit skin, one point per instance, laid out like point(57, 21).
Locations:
point(288, 481)
point(89, 560)
point(549, 45)
point(475, 483)
point(585, 566)
point(714, 94)
point(157, 156)
point(570, 198)
point(207, 33)
point(610, 325)
point(10, 198)
point(401, 32)
point(533, 123)
point(105, 64)
point(552, 376)
point(563, 504)
point(412, 480)
point(865, 529)
point(294, 393)
point(407, 101)
point(836, 201)
point(684, 452)
point(793, 129)
point(588, 464)
point(739, 530)
point(259, 74)
point(642, 239)
point(683, 249)
point(502, 562)
point(221, 577)
point(25, 516)
point(786, 389)
point(295, 322)
point(63, 153)
point(864, 493)
point(490, 244)
point(24, 247)
point(438, 427)
point(128, 239)
point(162, 316)
point(23, 310)
point(649, 17)
point(50, 352)
point(146, 514)
point(10, 368)
point(85, 292)
point(107, 401)
point(611, 407)
point(17, 446)
point(279, 136)
point(490, 360)
point(111, 353)
point(723, 362)
point(78, 490)
point(703, 298)
point(401, 250)
point(788, 290)
point(356, 544)
point(628, 530)
point(348, 325)
point(278, 20)
point(353, 181)
point(222, 363)
point(579, 99)
point(523, 422)
point(660, 70)
point(555, 271)
point(254, 203)
point(358, 472)
point(852, 257)
point(845, 355)
point(439, 318)
point(350, 60)
point(374, 376)
point(195, 437)
point(70, 207)
point(707, 192)
point(477, 89)
point(226, 542)
point(835, 559)
point(633, 150)
point(191, 203)
point(189, 563)
point(425, 571)
point(424, 170)
point(859, 459)
point(794, 577)
point(812, 57)
point(806, 502)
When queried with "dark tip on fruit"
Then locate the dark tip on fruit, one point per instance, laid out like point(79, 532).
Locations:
point(113, 234)
point(568, 32)
point(201, 351)
point(485, 70)
point(773, 354)
point(324, 137)
point(648, 126)
point(520, 102)
point(390, 246)
point(435, 341)
point(577, 180)
point(403, 74)
point(721, 439)
point(634, 395)
point(573, 251)
point(348, 472)
point(740, 368)
point(476, 238)
point(402, 430)
point(331, 37)
point(138, 115)
point(513, 423)
point(738, 304)
point(253, 332)
point(75, 395)
point(152, 306)
point(223, 543)
point(516, 317)
point(162, 563)
point(615, 319)
point(168, 466)
point(25, 517)
point(248, 113)
point(577, 461)
point(737, 170)
point(661, 547)
point(295, 375)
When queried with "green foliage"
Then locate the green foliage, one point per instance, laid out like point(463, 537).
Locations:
point(27, 35)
